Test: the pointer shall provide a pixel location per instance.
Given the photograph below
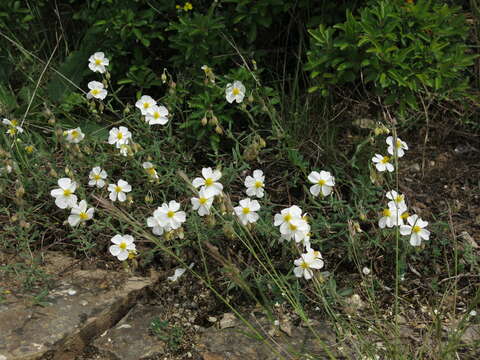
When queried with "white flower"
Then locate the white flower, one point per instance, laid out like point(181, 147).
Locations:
point(255, 185)
point(124, 149)
point(297, 229)
point(246, 212)
point(235, 92)
point(156, 224)
point(392, 216)
point(416, 230)
point(97, 177)
point(366, 271)
point(397, 200)
point(306, 263)
point(208, 182)
point(287, 215)
point(80, 213)
point(119, 136)
point(118, 191)
point(169, 217)
point(13, 127)
point(145, 103)
point(74, 136)
point(400, 146)
point(123, 245)
point(64, 196)
point(324, 182)
point(150, 169)
point(382, 163)
point(472, 313)
point(97, 62)
point(203, 203)
point(156, 115)
point(97, 90)
point(178, 272)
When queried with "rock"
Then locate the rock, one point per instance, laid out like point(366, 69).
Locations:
point(227, 321)
point(81, 305)
point(242, 343)
point(130, 339)
point(471, 334)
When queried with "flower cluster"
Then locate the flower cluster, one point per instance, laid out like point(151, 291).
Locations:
point(396, 212)
point(153, 113)
point(13, 127)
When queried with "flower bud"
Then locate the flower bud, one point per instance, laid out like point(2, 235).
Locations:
point(148, 199)
point(218, 130)
point(229, 231)
point(20, 192)
point(51, 121)
point(204, 121)
point(53, 173)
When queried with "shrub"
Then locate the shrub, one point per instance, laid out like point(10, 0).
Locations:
point(398, 50)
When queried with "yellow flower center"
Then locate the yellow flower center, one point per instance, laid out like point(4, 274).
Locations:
point(12, 131)
point(123, 245)
point(399, 144)
point(98, 62)
point(118, 189)
point(97, 177)
point(74, 134)
point(146, 105)
point(119, 136)
point(405, 215)
point(287, 218)
point(203, 200)
point(29, 149)
point(83, 215)
point(258, 184)
point(416, 229)
point(399, 198)
point(209, 182)
point(235, 91)
point(304, 265)
point(385, 160)
point(387, 212)
point(246, 210)
point(13, 123)
point(67, 192)
point(151, 171)
point(322, 182)
point(171, 214)
point(156, 115)
point(95, 92)
point(293, 227)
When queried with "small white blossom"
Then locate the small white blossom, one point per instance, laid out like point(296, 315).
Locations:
point(246, 211)
point(324, 182)
point(382, 163)
point(80, 214)
point(287, 215)
point(64, 196)
point(117, 191)
point(156, 115)
point(308, 262)
point(156, 223)
point(235, 92)
point(209, 182)
point(169, 216)
point(122, 246)
point(392, 216)
point(150, 169)
point(296, 229)
point(119, 136)
point(13, 127)
point(203, 203)
point(74, 136)
point(397, 200)
point(416, 229)
point(145, 103)
point(97, 62)
point(366, 271)
point(97, 177)
point(255, 184)
point(400, 146)
point(97, 90)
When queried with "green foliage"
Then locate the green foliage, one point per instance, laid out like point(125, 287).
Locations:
point(397, 50)
point(171, 335)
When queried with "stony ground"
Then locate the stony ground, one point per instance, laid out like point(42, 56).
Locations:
point(94, 311)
